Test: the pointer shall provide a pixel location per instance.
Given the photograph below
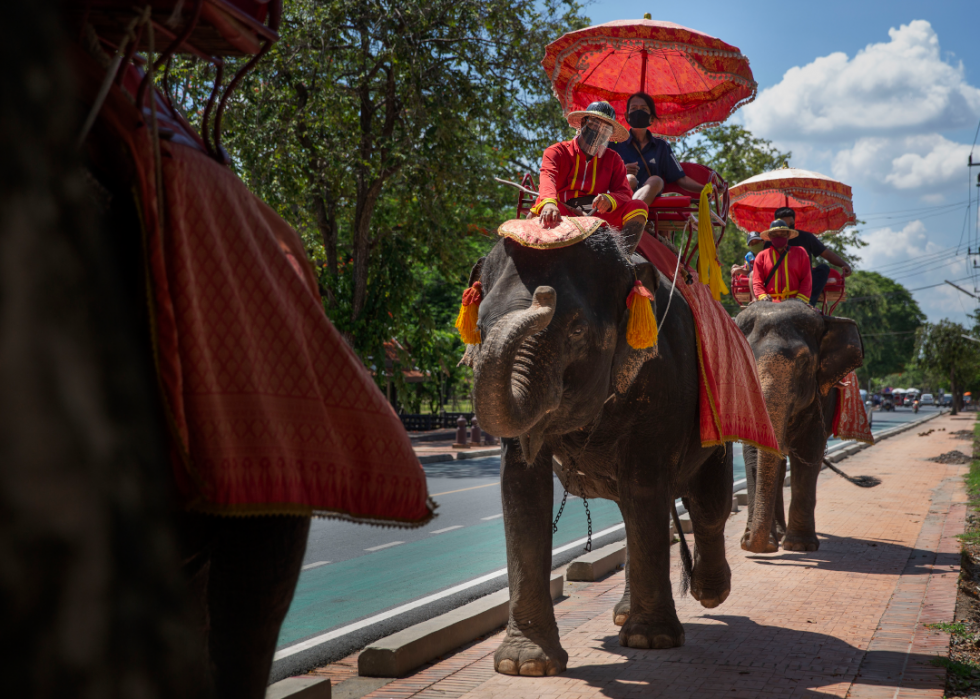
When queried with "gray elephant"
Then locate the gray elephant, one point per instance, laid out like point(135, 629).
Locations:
point(556, 378)
point(800, 355)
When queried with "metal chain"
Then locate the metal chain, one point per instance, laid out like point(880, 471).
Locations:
point(554, 527)
point(588, 516)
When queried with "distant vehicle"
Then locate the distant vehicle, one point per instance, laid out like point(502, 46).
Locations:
point(947, 399)
point(927, 399)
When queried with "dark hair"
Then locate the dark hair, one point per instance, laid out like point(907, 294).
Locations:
point(785, 211)
point(646, 98)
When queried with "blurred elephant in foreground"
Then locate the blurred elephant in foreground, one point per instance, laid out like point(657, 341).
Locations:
point(801, 355)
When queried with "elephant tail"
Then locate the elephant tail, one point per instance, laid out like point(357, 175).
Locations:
point(861, 481)
point(685, 551)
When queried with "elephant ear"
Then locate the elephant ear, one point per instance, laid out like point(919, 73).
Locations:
point(841, 352)
point(476, 272)
point(646, 273)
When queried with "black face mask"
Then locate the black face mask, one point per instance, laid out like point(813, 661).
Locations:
point(638, 119)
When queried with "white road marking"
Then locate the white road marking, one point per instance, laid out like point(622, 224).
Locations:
point(308, 566)
point(370, 621)
point(384, 546)
point(447, 529)
point(492, 517)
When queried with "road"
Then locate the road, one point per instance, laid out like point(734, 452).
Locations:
point(361, 583)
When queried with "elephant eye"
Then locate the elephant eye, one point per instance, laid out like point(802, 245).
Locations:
point(577, 330)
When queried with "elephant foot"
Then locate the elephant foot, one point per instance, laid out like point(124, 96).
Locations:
point(642, 631)
point(711, 589)
point(518, 655)
point(621, 612)
point(800, 542)
point(770, 546)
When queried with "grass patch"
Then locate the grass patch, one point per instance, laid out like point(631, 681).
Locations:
point(956, 628)
point(973, 476)
point(961, 670)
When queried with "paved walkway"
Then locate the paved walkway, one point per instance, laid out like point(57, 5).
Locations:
point(848, 620)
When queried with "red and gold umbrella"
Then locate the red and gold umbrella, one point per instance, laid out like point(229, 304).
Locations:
point(696, 80)
point(822, 205)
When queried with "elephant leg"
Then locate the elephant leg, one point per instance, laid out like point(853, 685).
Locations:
point(531, 646)
point(807, 455)
point(652, 620)
point(254, 565)
point(779, 515)
point(621, 611)
point(710, 502)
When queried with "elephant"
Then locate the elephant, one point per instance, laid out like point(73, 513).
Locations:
point(800, 355)
point(556, 379)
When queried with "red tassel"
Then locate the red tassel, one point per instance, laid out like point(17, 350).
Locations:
point(468, 313)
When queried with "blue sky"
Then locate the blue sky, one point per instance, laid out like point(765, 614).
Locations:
point(884, 96)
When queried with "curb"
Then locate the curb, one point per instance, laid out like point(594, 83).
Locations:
point(434, 458)
point(477, 453)
point(594, 565)
point(300, 688)
point(399, 654)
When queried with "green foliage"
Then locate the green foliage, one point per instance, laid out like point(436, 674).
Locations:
point(952, 628)
point(375, 128)
point(943, 349)
point(888, 317)
point(735, 154)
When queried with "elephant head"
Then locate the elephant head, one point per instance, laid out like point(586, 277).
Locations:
point(800, 355)
point(553, 324)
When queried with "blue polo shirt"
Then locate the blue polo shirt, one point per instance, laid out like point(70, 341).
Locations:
point(657, 158)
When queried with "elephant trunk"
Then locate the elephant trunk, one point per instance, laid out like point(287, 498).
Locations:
point(511, 390)
point(776, 375)
point(764, 509)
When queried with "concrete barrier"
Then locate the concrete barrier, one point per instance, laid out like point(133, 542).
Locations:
point(299, 688)
point(399, 654)
point(478, 453)
point(595, 564)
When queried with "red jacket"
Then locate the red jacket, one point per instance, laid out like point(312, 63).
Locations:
point(793, 279)
point(567, 173)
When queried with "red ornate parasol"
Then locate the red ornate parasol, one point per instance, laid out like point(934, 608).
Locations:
point(696, 80)
point(822, 205)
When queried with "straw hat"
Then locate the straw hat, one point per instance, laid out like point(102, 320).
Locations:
point(778, 225)
point(603, 111)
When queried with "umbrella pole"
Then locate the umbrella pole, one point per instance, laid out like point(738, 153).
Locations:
point(643, 71)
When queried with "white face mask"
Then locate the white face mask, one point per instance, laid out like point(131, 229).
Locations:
point(594, 136)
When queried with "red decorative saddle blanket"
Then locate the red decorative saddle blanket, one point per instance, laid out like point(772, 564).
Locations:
point(732, 406)
point(850, 416)
point(270, 410)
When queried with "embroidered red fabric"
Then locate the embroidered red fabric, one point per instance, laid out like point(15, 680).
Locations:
point(850, 416)
point(732, 405)
point(270, 410)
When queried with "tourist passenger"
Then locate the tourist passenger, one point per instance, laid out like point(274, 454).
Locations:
point(815, 248)
point(650, 164)
point(781, 271)
point(584, 173)
point(754, 243)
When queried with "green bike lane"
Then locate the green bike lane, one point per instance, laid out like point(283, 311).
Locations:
point(334, 595)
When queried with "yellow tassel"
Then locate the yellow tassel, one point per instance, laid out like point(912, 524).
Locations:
point(469, 311)
point(708, 268)
point(641, 328)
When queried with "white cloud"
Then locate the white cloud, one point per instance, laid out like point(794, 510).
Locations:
point(888, 89)
point(890, 247)
point(927, 162)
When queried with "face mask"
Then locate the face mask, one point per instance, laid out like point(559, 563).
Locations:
point(594, 137)
point(756, 248)
point(638, 119)
point(779, 242)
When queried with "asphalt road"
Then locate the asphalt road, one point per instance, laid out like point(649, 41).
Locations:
point(355, 575)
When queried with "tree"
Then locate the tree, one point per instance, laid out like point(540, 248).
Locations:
point(942, 348)
point(888, 318)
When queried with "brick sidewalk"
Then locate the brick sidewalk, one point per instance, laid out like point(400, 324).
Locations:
point(848, 620)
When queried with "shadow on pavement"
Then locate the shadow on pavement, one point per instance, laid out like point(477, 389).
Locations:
point(743, 656)
point(853, 555)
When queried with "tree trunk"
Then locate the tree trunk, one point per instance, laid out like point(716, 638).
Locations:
point(956, 393)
